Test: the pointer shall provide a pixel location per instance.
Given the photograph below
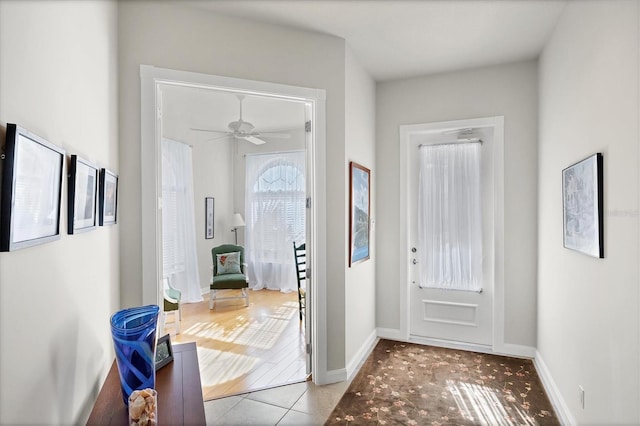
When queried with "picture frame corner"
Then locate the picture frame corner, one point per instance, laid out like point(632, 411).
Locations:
point(161, 359)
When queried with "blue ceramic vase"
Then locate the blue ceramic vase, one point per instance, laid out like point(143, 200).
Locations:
point(134, 340)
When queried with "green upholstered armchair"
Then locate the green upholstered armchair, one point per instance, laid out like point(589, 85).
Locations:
point(228, 279)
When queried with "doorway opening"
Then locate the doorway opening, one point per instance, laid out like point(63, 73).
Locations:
point(470, 318)
point(248, 154)
point(156, 84)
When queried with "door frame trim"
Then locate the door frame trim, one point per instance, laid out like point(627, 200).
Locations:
point(406, 131)
point(150, 78)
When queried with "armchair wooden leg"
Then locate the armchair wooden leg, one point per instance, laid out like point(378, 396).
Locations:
point(211, 300)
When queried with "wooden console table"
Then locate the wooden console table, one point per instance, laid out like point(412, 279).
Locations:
point(179, 393)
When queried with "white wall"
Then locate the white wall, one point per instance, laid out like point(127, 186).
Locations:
point(588, 321)
point(360, 290)
point(506, 90)
point(177, 37)
point(212, 171)
point(58, 78)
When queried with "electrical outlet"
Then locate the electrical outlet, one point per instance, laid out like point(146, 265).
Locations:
point(581, 390)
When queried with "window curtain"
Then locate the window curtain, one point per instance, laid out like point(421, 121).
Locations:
point(275, 218)
point(179, 257)
point(450, 217)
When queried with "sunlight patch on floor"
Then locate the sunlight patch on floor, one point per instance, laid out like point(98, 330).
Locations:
point(285, 311)
point(260, 333)
point(218, 367)
point(209, 330)
point(481, 404)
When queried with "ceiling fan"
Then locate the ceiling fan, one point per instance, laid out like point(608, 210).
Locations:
point(244, 130)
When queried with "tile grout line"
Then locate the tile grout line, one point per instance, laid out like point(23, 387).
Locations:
point(276, 405)
point(226, 411)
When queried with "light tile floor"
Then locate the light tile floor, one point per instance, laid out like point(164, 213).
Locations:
point(297, 404)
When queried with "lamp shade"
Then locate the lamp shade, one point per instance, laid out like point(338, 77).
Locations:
point(237, 220)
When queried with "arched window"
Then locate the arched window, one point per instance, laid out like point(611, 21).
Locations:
point(275, 210)
point(279, 200)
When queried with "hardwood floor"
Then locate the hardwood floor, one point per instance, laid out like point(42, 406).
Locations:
point(244, 349)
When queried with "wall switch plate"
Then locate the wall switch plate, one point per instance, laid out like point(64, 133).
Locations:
point(581, 389)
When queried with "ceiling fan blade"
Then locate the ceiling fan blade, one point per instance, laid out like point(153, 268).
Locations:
point(209, 130)
point(253, 140)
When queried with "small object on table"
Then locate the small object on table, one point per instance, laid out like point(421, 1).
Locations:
point(134, 340)
point(143, 408)
point(179, 390)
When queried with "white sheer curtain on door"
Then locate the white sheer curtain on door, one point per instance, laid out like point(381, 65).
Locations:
point(450, 217)
point(275, 218)
point(179, 256)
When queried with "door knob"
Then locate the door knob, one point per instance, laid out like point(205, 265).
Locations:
point(413, 249)
point(415, 261)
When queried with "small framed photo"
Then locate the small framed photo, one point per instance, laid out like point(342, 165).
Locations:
point(31, 190)
point(83, 191)
point(208, 217)
point(108, 197)
point(359, 212)
point(582, 206)
point(164, 352)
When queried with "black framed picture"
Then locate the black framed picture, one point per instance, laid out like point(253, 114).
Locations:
point(83, 191)
point(582, 206)
point(31, 190)
point(164, 352)
point(209, 204)
point(359, 211)
point(108, 197)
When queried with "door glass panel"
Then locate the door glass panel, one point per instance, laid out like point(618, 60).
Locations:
point(450, 217)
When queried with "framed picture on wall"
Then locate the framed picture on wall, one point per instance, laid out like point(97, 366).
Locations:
point(108, 197)
point(582, 204)
point(31, 190)
point(208, 217)
point(82, 197)
point(359, 211)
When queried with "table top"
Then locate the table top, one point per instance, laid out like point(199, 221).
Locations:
point(179, 393)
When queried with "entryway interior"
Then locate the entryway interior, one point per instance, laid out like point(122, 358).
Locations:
point(248, 154)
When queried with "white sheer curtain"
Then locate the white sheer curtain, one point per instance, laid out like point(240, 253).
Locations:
point(275, 218)
point(180, 260)
point(450, 217)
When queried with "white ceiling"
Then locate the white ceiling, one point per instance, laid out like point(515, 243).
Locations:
point(187, 107)
point(399, 38)
point(391, 39)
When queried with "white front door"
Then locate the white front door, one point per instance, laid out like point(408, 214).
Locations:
point(451, 316)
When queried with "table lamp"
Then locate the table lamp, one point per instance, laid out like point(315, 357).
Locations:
point(237, 221)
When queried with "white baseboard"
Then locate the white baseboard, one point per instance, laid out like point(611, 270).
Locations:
point(559, 405)
point(518, 351)
point(358, 359)
point(451, 344)
point(390, 333)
